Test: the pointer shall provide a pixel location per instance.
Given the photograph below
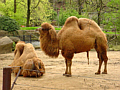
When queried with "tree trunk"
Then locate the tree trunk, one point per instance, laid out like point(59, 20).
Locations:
point(99, 11)
point(4, 1)
point(14, 6)
point(70, 2)
point(79, 7)
point(28, 12)
point(99, 17)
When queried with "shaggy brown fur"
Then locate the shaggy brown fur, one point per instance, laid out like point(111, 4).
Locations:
point(77, 35)
point(33, 64)
point(23, 52)
point(49, 37)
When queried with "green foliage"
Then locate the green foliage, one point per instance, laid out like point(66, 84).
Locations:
point(118, 20)
point(13, 47)
point(53, 15)
point(43, 13)
point(39, 13)
point(8, 24)
point(111, 19)
point(64, 14)
point(7, 9)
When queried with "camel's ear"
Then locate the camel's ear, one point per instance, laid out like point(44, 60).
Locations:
point(53, 34)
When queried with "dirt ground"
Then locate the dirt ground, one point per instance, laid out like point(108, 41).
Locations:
point(83, 77)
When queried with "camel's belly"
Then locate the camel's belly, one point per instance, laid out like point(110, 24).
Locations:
point(84, 46)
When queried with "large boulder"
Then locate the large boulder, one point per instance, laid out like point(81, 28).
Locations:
point(5, 45)
point(14, 39)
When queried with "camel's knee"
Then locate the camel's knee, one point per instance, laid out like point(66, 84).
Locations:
point(104, 57)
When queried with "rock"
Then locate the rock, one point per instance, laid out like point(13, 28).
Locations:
point(14, 39)
point(5, 45)
point(3, 33)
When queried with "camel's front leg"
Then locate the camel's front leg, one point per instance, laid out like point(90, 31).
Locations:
point(68, 68)
point(69, 65)
point(66, 71)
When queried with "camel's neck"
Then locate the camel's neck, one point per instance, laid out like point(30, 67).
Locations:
point(49, 46)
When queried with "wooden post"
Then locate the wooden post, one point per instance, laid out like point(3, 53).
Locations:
point(6, 78)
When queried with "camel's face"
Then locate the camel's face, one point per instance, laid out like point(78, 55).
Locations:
point(45, 27)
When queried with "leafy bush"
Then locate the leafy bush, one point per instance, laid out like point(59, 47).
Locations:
point(64, 14)
point(8, 24)
point(13, 47)
point(111, 18)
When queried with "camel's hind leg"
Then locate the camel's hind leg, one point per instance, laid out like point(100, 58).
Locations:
point(100, 64)
point(102, 55)
point(105, 59)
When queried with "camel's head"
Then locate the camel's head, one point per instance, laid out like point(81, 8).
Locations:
point(19, 47)
point(45, 27)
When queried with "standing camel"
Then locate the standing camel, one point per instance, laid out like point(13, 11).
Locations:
point(76, 36)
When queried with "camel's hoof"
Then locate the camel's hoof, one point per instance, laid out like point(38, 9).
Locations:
point(67, 75)
point(104, 72)
point(64, 74)
point(97, 73)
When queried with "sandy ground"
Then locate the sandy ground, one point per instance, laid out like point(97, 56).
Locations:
point(83, 77)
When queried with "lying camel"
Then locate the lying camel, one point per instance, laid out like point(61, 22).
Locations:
point(76, 36)
point(22, 54)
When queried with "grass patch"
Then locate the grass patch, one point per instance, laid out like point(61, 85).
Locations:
point(57, 28)
point(111, 32)
point(28, 28)
point(33, 28)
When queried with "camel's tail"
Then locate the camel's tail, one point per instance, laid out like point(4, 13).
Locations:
point(88, 56)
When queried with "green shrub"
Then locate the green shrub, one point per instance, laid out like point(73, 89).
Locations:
point(13, 47)
point(8, 24)
point(64, 14)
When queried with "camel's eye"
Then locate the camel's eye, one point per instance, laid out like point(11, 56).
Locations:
point(43, 29)
point(47, 29)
